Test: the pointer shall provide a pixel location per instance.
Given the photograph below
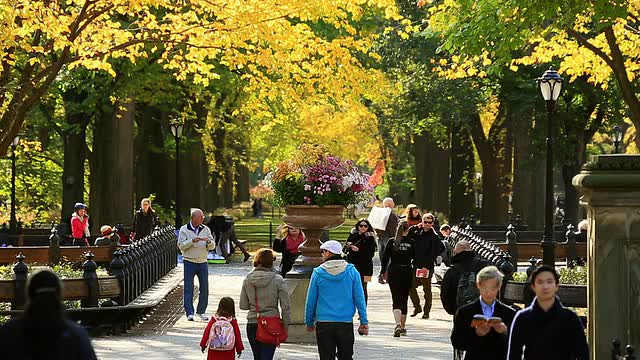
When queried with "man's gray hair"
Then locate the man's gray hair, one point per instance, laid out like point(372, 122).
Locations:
point(583, 225)
point(387, 200)
point(196, 211)
point(488, 273)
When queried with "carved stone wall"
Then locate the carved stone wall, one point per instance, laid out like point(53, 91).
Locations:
point(610, 188)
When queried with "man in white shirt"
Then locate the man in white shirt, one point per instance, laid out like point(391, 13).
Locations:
point(195, 240)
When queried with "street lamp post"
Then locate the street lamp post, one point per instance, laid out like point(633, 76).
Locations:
point(13, 222)
point(618, 134)
point(176, 130)
point(550, 86)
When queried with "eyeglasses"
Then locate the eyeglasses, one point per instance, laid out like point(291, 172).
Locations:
point(363, 225)
point(428, 222)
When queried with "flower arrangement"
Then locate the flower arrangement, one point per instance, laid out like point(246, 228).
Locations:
point(312, 177)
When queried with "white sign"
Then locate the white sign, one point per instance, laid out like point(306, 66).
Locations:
point(379, 216)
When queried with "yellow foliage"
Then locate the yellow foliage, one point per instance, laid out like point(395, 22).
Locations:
point(269, 43)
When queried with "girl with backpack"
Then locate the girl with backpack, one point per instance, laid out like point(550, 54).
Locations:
point(222, 334)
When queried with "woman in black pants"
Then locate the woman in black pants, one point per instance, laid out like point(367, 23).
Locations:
point(360, 249)
point(397, 270)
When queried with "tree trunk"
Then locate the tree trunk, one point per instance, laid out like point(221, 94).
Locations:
point(462, 174)
point(242, 181)
point(493, 202)
point(112, 166)
point(74, 156)
point(432, 173)
point(524, 164)
point(152, 175)
point(227, 185)
point(422, 194)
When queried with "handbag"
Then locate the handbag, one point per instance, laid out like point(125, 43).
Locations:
point(271, 329)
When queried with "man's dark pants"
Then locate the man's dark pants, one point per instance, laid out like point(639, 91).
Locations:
point(335, 340)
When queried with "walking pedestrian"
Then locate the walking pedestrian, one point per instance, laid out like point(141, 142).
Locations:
point(80, 225)
point(461, 277)
point(546, 329)
point(411, 215)
point(43, 331)
point(335, 292)
point(264, 289)
point(427, 248)
point(360, 249)
point(397, 270)
point(481, 328)
point(287, 241)
point(144, 220)
point(194, 241)
point(390, 229)
point(222, 334)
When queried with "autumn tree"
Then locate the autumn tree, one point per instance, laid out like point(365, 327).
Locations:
point(270, 41)
point(595, 39)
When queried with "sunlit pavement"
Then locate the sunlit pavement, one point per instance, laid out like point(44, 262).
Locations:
point(427, 339)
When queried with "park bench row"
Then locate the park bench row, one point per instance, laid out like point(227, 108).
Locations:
point(132, 271)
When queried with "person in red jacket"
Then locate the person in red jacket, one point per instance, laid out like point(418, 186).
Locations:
point(219, 343)
point(80, 225)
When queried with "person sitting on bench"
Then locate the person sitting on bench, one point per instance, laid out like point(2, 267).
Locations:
point(107, 238)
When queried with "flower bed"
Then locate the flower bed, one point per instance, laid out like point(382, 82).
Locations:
point(313, 177)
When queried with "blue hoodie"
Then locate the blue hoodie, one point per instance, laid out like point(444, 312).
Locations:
point(335, 291)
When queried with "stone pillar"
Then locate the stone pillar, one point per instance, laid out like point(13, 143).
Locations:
point(313, 220)
point(610, 188)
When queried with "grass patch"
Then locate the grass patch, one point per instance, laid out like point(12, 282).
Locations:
point(256, 231)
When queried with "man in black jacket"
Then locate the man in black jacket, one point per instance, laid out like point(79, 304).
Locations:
point(427, 248)
point(478, 338)
point(464, 261)
point(546, 329)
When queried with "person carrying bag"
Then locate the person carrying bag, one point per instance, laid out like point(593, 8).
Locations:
point(269, 310)
point(271, 329)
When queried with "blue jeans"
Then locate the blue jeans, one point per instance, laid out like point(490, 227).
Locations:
point(202, 272)
point(261, 351)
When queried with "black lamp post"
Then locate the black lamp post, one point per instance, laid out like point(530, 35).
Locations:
point(618, 135)
point(176, 130)
point(13, 222)
point(550, 86)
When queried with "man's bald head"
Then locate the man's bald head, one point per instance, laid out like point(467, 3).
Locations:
point(461, 246)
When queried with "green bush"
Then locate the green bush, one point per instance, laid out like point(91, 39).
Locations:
point(568, 276)
point(64, 271)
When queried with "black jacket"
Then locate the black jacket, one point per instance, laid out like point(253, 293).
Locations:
point(427, 245)
point(18, 342)
point(462, 262)
point(557, 334)
point(144, 223)
point(492, 346)
point(363, 258)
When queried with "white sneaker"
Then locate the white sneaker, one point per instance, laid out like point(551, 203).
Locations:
point(203, 317)
point(190, 317)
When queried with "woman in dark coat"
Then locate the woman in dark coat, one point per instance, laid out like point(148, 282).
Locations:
point(397, 270)
point(360, 248)
point(145, 220)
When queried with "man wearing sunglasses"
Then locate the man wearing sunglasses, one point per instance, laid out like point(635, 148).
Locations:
point(427, 248)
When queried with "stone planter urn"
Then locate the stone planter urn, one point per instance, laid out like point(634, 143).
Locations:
point(313, 220)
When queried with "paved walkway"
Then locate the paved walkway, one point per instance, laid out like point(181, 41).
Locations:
point(427, 339)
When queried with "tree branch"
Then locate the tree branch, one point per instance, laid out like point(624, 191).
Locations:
point(596, 50)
